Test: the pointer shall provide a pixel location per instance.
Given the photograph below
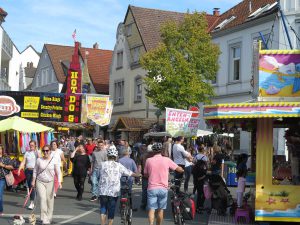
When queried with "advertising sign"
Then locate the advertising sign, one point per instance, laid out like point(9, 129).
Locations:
point(179, 122)
point(38, 106)
point(99, 109)
point(279, 73)
point(72, 106)
point(8, 106)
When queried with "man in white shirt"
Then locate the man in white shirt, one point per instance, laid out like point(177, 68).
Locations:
point(179, 156)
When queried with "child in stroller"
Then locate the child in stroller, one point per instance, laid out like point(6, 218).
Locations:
point(221, 198)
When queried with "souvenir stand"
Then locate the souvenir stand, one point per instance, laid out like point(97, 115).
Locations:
point(273, 120)
point(16, 132)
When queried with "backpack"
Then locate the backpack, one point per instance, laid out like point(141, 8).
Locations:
point(188, 207)
point(200, 168)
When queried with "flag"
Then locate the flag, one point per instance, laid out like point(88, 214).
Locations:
point(74, 35)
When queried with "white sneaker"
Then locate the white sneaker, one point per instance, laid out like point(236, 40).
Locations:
point(31, 206)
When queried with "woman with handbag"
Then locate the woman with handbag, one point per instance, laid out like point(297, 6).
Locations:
point(6, 167)
point(45, 170)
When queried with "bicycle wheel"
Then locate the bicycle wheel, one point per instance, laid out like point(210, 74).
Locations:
point(180, 219)
point(129, 217)
point(175, 215)
point(124, 217)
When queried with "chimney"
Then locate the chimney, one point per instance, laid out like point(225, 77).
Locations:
point(28, 63)
point(96, 46)
point(216, 12)
point(31, 65)
point(250, 6)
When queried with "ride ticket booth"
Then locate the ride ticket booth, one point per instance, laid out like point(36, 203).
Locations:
point(274, 122)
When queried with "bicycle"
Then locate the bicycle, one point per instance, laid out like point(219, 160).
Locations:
point(125, 202)
point(176, 202)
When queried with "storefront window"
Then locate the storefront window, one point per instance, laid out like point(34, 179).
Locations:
point(286, 155)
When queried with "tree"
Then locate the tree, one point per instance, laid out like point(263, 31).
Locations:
point(181, 66)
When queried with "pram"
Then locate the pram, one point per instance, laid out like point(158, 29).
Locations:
point(221, 198)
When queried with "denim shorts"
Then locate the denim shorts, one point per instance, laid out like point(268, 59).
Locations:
point(157, 198)
point(108, 206)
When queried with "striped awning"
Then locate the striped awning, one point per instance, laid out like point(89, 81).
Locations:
point(252, 110)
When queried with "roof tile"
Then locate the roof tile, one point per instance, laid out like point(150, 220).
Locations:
point(98, 61)
point(149, 22)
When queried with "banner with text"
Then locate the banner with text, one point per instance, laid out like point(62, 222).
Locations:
point(36, 106)
point(99, 109)
point(179, 122)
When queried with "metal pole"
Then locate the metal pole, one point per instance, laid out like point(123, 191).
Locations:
point(284, 25)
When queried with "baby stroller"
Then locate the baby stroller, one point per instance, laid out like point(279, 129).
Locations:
point(221, 198)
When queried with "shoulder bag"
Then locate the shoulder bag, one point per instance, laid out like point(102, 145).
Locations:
point(9, 178)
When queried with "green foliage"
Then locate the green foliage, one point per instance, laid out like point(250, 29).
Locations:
point(179, 68)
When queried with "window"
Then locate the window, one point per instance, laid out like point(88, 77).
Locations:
point(119, 60)
point(214, 81)
point(129, 30)
point(136, 55)
point(289, 5)
point(235, 64)
point(138, 89)
point(119, 92)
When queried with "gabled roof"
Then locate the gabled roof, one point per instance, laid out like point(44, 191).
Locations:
point(241, 12)
point(3, 14)
point(133, 124)
point(98, 61)
point(149, 22)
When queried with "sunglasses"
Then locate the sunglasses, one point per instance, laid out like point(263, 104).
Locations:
point(45, 150)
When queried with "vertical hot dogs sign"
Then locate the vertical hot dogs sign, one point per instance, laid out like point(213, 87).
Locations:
point(72, 109)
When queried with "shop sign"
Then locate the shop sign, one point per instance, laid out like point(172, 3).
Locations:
point(39, 106)
point(72, 106)
point(72, 109)
point(8, 106)
point(279, 74)
point(179, 122)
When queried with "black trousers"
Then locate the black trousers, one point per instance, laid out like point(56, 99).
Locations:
point(200, 194)
point(79, 184)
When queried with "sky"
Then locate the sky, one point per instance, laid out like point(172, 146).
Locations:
point(39, 22)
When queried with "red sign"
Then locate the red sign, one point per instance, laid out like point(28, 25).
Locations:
point(196, 110)
point(8, 106)
point(73, 101)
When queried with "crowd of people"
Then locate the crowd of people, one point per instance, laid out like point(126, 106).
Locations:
point(104, 162)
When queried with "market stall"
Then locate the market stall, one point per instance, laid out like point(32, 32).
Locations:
point(16, 132)
point(277, 194)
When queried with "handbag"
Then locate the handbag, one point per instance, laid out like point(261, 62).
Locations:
point(9, 178)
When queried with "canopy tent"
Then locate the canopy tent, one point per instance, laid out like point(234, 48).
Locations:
point(201, 133)
point(22, 125)
point(157, 134)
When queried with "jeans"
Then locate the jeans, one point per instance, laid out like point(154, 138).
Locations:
point(28, 174)
point(157, 198)
point(187, 175)
point(2, 185)
point(144, 191)
point(108, 206)
point(95, 182)
point(200, 194)
point(178, 176)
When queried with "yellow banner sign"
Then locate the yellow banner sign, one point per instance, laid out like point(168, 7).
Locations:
point(99, 109)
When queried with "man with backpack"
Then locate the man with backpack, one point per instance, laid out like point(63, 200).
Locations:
point(199, 174)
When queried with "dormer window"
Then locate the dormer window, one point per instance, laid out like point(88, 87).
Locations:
point(262, 10)
point(224, 23)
